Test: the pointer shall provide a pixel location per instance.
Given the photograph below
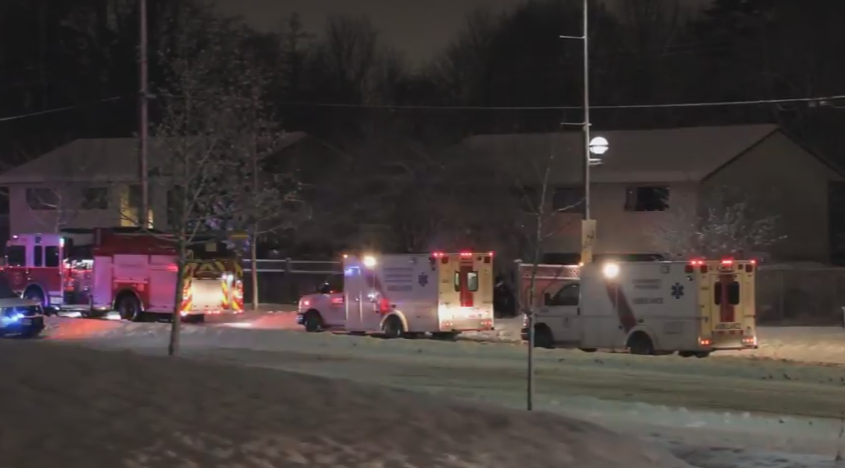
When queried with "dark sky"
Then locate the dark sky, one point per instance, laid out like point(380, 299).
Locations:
point(419, 27)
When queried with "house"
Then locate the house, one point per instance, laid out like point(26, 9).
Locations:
point(649, 176)
point(88, 183)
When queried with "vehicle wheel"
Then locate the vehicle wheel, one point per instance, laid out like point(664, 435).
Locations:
point(35, 294)
point(589, 350)
point(445, 336)
point(392, 327)
point(543, 337)
point(129, 308)
point(702, 354)
point(640, 344)
point(313, 321)
point(686, 354)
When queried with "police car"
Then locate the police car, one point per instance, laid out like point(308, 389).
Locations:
point(21, 317)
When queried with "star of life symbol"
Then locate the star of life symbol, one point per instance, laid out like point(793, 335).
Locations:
point(677, 290)
point(423, 279)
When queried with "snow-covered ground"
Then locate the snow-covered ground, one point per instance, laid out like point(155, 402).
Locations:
point(71, 407)
point(723, 426)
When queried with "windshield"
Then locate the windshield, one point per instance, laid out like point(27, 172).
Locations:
point(331, 285)
point(211, 250)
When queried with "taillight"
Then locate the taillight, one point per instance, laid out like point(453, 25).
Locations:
point(337, 300)
point(705, 342)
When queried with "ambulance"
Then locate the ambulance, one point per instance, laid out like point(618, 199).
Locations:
point(407, 295)
point(693, 308)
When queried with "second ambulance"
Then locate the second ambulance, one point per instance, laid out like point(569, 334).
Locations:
point(693, 308)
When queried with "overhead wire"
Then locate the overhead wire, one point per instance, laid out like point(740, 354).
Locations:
point(54, 110)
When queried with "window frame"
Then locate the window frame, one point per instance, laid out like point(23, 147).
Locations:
point(95, 198)
point(37, 202)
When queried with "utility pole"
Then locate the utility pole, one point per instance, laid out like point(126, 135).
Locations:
point(588, 225)
point(143, 130)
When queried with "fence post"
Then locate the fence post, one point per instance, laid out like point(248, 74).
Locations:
point(289, 283)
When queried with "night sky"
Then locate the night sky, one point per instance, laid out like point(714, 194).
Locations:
point(419, 27)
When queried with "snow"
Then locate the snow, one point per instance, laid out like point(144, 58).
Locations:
point(68, 406)
point(742, 412)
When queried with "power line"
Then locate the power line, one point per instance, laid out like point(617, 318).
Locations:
point(59, 109)
point(539, 108)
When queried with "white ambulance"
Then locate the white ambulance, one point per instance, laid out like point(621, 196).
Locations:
point(692, 308)
point(408, 295)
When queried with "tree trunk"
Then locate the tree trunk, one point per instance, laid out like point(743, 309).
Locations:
point(253, 262)
point(173, 346)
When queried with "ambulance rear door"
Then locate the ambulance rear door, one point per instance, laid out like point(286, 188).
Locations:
point(731, 302)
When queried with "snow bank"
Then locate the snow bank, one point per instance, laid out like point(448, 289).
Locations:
point(825, 345)
point(70, 407)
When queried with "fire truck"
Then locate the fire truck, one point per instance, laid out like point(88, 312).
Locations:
point(134, 272)
point(694, 307)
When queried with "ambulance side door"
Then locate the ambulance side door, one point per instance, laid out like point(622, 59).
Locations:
point(561, 313)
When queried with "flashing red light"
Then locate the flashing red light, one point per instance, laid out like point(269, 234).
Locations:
point(727, 261)
point(306, 303)
point(753, 262)
point(437, 254)
point(696, 262)
point(490, 253)
point(466, 254)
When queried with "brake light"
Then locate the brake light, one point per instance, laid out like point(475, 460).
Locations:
point(337, 300)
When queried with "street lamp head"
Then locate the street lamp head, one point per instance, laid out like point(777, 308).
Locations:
point(599, 145)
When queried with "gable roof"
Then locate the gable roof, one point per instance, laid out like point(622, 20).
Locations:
point(95, 160)
point(664, 155)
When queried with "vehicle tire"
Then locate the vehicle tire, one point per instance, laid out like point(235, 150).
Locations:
point(686, 354)
point(129, 308)
point(313, 321)
point(445, 336)
point(543, 337)
point(392, 327)
point(640, 344)
point(588, 350)
point(702, 354)
point(35, 294)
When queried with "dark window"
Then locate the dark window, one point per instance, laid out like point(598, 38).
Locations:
point(42, 199)
point(16, 255)
point(135, 197)
point(717, 293)
point(95, 198)
point(733, 293)
point(568, 199)
point(38, 256)
point(568, 295)
point(51, 256)
point(651, 198)
point(472, 280)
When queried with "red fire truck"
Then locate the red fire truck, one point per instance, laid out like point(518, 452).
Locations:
point(92, 271)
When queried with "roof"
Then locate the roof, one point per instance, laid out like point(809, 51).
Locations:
point(665, 155)
point(94, 160)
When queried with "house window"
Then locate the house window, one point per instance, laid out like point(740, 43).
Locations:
point(647, 198)
point(95, 198)
point(135, 197)
point(42, 199)
point(568, 199)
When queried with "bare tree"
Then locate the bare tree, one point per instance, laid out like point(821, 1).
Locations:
point(724, 223)
point(264, 190)
point(195, 139)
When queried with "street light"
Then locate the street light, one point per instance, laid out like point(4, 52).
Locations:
point(598, 146)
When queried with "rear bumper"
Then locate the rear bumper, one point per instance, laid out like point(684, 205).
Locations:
point(211, 312)
point(467, 325)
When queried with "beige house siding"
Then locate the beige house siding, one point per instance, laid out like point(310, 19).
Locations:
point(69, 214)
point(790, 183)
point(618, 231)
